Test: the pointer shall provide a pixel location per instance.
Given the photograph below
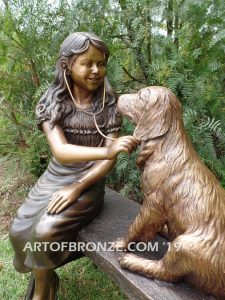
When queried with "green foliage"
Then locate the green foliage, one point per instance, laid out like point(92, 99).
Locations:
point(37, 155)
point(125, 178)
point(209, 140)
point(175, 43)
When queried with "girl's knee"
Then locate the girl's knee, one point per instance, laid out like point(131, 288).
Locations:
point(16, 232)
point(44, 230)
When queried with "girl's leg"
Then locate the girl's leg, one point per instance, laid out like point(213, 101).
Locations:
point(45, 285)
point(63, 228)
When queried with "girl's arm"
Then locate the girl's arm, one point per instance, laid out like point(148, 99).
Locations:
point(68, 153)
point(69, 194)
point(100, 169)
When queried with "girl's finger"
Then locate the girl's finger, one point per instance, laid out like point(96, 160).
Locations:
point(127, 139)
point(58, 204)
point(54, 202)
point(127, 146)
point(62, 207)
point(53, 209)
point(123, 149)
point(53, 199)
point(54, 196)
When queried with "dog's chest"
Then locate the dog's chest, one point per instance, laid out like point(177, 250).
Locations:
point(154, 174)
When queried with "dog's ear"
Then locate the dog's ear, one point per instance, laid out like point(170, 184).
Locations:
point(156, 118)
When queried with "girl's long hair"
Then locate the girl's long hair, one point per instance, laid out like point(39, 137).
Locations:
point(56, 103)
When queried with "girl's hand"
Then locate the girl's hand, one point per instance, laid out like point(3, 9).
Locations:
point(123, 144)
point(63, 198)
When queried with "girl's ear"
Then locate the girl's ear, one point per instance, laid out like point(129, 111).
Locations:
point(64, 64)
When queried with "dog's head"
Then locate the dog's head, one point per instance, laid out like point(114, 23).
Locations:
point(151, 109)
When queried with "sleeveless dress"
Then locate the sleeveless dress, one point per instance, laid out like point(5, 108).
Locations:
point(33, 230)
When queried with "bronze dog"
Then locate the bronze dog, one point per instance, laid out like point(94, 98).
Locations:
point(179, 191)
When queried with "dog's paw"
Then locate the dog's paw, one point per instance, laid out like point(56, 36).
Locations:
point(119, 245)
point(127, 260)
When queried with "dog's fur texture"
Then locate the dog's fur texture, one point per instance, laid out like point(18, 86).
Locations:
point(180, 192)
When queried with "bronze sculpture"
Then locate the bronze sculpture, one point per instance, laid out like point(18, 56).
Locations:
point(179, 192)
point(77, 115)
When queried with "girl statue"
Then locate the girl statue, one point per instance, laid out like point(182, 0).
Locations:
point(78, 117)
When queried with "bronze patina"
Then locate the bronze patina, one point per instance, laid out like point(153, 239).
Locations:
point(180, 192)
point(78, 117)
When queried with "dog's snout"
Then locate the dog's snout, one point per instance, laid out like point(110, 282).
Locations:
point(126, 106)
point(122, 104)
point(119, 104)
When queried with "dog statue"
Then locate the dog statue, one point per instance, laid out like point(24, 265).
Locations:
point(179, 192)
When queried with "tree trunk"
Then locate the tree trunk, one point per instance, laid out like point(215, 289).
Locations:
point(176, 27)
point(35, 77)
point(169, 18)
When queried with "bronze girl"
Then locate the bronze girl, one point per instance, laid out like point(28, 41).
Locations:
point(77, 114)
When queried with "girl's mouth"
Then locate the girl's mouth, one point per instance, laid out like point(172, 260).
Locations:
point(94, 79)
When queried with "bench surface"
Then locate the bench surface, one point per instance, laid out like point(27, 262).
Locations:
point(112, 223)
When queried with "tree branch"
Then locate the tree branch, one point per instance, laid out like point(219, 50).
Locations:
point(134, 79)
point(35, 77)
point(141, 60)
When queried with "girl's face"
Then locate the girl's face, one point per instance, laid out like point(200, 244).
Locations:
point(89, 69)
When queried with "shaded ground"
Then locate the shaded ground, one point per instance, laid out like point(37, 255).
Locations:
point(13, 189)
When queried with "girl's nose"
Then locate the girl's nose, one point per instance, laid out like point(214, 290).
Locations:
point(94, 69)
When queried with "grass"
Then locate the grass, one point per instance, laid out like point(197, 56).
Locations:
point(12, 284)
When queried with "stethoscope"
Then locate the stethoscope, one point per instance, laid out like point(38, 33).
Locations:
point(89, 113)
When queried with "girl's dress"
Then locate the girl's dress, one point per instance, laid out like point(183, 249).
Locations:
point(33, 230)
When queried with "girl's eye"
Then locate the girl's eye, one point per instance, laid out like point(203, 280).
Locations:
point(102, 64)
point(86, 64)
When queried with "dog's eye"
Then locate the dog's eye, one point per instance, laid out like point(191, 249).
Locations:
point(140, 94)
point(145, 94)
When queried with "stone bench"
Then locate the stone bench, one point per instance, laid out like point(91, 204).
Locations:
point(112, 223)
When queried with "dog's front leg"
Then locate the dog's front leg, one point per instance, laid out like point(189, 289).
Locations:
point(148, 222)
point(144, 228)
